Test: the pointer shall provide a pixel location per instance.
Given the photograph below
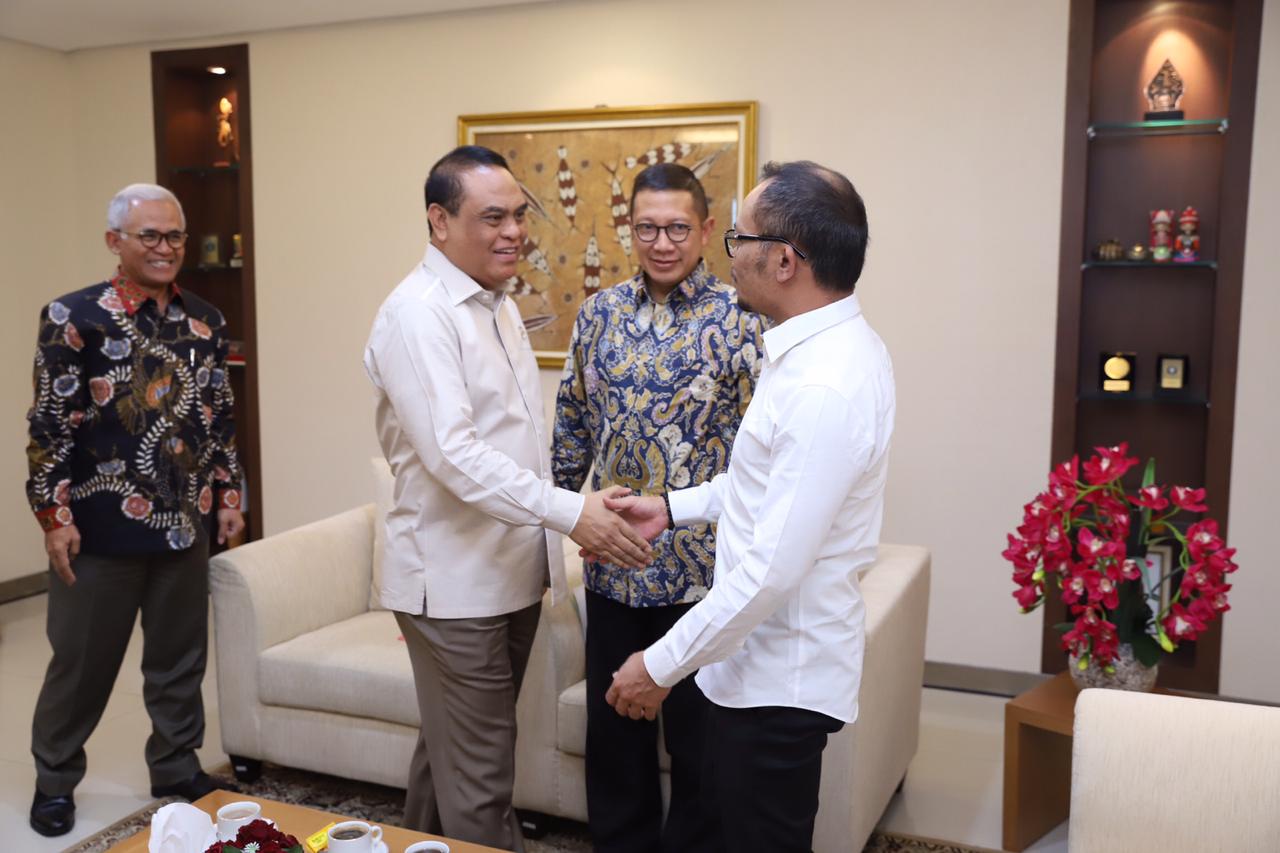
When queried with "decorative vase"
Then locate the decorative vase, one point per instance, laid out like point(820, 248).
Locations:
point(1128, 673)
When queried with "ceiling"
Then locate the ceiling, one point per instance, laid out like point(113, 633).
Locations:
point(77, 24)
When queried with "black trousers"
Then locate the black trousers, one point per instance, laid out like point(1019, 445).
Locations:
point(763, 769)
point(624, 800)
point(88, 625)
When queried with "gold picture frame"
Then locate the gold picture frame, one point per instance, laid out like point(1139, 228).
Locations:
point(576, 168)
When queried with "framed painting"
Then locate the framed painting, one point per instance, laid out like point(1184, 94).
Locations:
point(576, 167)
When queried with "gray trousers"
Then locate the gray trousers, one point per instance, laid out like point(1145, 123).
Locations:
point(89, 624)
point(467, 673)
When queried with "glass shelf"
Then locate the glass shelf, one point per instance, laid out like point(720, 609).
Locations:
point(1178, 127)
point(202, 171)
point(1164, 398)
point(1163, 265)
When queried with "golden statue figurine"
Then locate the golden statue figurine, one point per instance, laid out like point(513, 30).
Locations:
point(226, 137)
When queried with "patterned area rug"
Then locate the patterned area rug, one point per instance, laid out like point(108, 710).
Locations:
point(379, 804)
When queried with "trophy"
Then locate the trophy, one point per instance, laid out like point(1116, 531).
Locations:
point(1117, 372)
point(1172, 372)
point(1164, 92)
point(1186, 246)
point(237, 252)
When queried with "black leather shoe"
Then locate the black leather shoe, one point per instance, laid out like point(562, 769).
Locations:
point(53, 815)
point(194, 788)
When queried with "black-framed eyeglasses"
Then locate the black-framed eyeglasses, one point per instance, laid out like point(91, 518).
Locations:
point(677, 232)
point(732, 240)
point(151, 239)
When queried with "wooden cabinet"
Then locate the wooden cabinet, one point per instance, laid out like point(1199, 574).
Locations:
point(1117, 168)
point(204, 155)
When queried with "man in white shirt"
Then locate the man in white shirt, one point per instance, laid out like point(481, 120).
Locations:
point(779, 639)
point(473, 538)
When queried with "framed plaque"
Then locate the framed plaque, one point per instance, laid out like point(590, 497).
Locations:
point(1171, 373)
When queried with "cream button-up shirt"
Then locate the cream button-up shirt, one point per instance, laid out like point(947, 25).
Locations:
point(476, 522)
point(799, 513)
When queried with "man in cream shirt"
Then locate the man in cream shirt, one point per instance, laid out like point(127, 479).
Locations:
point(474, 535)
point(780, 637)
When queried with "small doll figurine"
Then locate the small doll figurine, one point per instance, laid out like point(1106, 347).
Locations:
point(1186, 246)
point(1161, 235)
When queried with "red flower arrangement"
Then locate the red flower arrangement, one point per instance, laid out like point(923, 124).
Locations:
point(258, 837)
point(1078, 535)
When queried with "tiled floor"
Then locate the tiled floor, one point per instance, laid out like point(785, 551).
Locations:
point(952, 789)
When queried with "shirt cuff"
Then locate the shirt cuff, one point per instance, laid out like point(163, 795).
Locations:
point(687, 506)
point(662, 665)
point(55, 517)
point(566, 508)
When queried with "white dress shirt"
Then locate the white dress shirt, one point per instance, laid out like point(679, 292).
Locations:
point(799, 513)
point(460, 420)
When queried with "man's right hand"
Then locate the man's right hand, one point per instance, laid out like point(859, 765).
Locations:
point(603, 532)
point(62, 545)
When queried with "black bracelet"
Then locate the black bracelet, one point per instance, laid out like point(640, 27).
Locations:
point(671, 519)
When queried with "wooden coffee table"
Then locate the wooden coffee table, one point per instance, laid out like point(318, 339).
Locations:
point(300, 822)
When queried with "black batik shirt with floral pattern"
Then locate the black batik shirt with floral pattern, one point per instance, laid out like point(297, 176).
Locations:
point(132, 436)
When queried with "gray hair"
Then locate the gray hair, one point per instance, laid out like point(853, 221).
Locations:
point(120, 204)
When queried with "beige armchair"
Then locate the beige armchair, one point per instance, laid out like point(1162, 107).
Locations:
point(1164, 773)
point(310, 676)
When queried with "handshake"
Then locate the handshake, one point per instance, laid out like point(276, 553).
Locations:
point(618, 526)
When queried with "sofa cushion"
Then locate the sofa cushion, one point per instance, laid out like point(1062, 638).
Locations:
point(358, 666)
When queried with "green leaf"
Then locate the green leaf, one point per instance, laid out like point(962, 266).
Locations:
point(1146, 650)
point(1163, 639)
point(1149, 473)
point(1063, 627)
point(1084, 662)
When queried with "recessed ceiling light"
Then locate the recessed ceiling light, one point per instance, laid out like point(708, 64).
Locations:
point(216, 69)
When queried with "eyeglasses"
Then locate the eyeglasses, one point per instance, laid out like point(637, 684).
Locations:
point(733, 240)
point(677, 232)
point(151, 239)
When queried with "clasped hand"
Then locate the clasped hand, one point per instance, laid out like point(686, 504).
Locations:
point(634, 693)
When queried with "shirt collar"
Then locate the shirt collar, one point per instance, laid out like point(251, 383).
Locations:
point(458, 284)
point(784, 336)
point(134, 297)
point(687, 290)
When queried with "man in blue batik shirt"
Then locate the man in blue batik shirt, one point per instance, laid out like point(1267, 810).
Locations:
point(660, 369)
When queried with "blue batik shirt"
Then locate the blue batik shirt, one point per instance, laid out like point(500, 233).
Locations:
point(653, 394)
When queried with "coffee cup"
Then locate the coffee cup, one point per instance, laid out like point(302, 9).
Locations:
point(353, 836)
point(427, 847)
point(232, 816)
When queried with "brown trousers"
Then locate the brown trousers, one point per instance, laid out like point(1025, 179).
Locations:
point(89, 624)
point(467, 673)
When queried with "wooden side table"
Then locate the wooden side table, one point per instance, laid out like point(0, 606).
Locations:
point(1037, 760)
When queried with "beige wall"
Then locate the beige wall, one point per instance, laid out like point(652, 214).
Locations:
point(1249, 638)
point(37, 179)
point(951, 128)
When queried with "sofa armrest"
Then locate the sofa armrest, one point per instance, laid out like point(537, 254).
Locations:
point(558, 659)
point(272, 590)
point(864, 762)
